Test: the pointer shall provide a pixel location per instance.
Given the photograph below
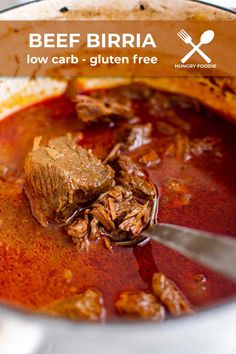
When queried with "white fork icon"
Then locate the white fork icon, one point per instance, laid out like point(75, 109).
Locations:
point(206, 37)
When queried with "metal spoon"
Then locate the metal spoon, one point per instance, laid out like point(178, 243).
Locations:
point(217, 252)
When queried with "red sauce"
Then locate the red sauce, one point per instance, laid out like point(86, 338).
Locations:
point(34, 260)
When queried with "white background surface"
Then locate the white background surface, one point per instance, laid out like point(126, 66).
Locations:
point(4, 4)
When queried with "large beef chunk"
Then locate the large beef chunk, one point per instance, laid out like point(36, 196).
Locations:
point(61, 177)
point(100, 105)
point(91, 109)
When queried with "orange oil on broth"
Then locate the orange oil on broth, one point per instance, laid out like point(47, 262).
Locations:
point(35, 261)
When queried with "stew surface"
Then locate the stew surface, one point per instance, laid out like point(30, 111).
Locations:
point(39, 265)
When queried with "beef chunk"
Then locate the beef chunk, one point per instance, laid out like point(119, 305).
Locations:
point(170, 295)
point(84, 306)
point(166, 107)
point(184, 148)
point(140, 304)
point(91, 109)
point(132, 177)
point(61, 177)
point(101, 105)
point(136, 135)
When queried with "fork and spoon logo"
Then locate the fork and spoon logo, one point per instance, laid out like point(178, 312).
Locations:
point(206, 37)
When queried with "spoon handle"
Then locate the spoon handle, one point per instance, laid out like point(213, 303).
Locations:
point(195, 49)
point(216, 252)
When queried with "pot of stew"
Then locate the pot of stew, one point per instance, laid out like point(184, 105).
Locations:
point(85, 166)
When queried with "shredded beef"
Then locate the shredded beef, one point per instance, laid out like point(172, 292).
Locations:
point(122, 212)
point(79, 230)
point(132, 177)
point(118, 210)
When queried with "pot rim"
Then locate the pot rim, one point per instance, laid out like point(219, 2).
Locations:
point(221, 307)
point(220, 7)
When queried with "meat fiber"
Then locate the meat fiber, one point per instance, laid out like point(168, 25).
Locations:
point(62, 177)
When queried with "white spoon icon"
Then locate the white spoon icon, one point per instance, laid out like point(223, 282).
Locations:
point(206, 38)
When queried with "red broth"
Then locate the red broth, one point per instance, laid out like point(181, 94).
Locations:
point(34, 261)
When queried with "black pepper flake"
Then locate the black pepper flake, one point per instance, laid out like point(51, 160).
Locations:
point(64, 9)
point(141, 7)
